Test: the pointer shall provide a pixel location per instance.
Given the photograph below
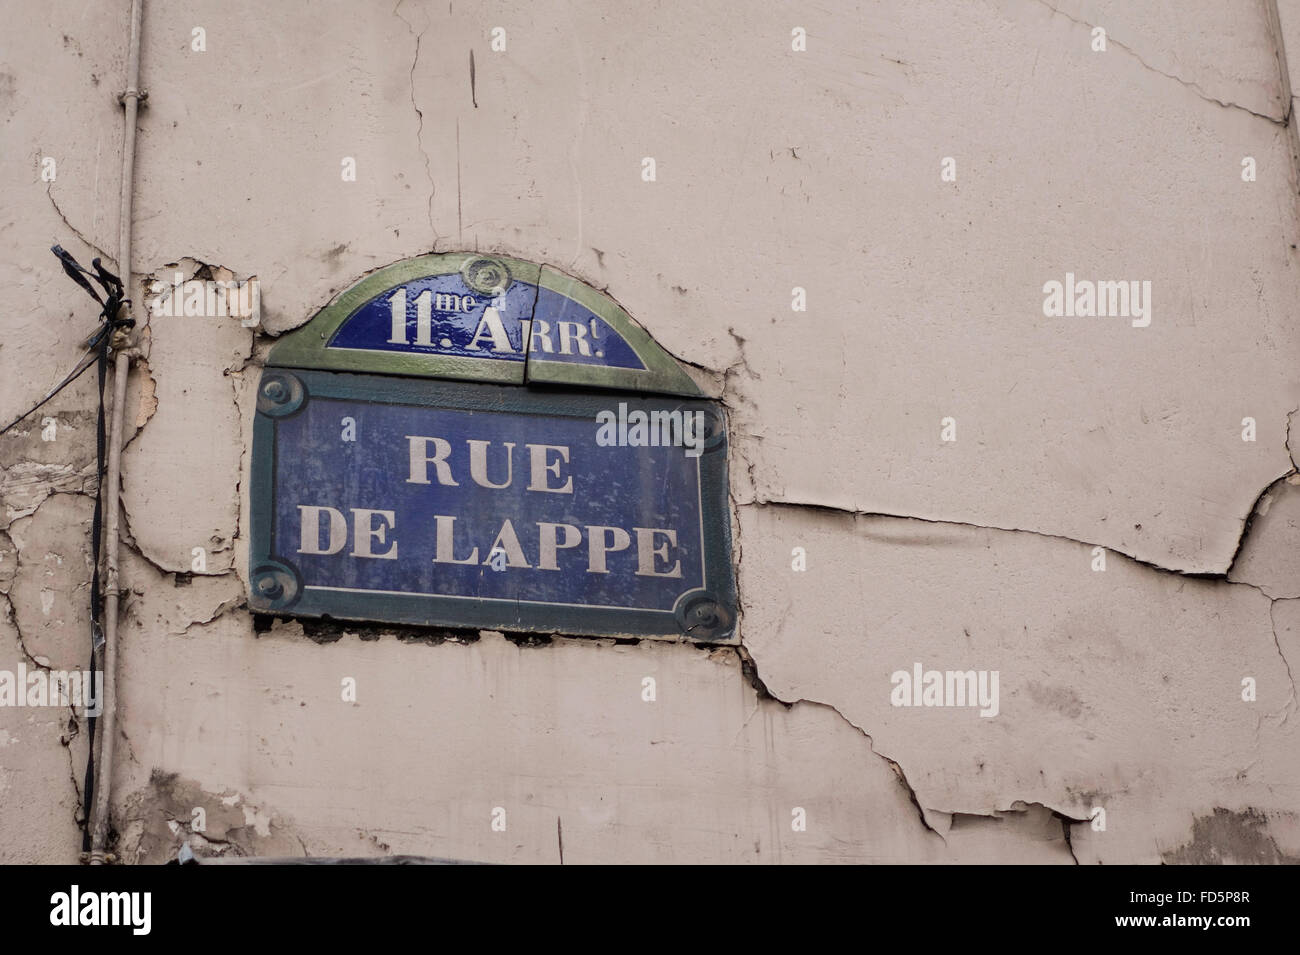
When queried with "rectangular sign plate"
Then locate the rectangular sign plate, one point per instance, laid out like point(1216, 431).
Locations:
point(425, 502)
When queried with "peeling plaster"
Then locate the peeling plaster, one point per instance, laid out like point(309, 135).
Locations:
point(159, 818)
point(943, 560)
point(173, 467)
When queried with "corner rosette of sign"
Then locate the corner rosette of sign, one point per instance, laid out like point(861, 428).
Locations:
point(713, 424)
point(701, 616)
point(486, 276)
point(280, 394)
point(275, 586)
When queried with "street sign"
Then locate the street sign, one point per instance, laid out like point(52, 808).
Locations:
point(472, 317)
point(478, 441)
point(489, 506)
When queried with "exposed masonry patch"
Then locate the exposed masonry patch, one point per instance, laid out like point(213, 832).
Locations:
point(159, 818)
point(1225, 837)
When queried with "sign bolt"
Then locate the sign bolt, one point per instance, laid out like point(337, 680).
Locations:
point(270, 587)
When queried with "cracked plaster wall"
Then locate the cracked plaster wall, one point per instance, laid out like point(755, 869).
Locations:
point(1119, 689)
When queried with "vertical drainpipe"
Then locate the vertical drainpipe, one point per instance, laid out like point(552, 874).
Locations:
point(121, 366)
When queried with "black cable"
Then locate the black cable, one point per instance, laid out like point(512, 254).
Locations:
point(96, 602)
point(72, 376)
point(97, 349)
point(109, 303)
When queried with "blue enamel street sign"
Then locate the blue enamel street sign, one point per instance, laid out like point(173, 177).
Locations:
point(406, 469)
point(418, 501)
point(443, 315)
point(472, 317)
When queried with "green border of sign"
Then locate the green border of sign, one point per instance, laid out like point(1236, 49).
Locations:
point(707, 615)
point(306, 347)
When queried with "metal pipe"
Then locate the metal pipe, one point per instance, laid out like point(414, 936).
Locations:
point(112, 486)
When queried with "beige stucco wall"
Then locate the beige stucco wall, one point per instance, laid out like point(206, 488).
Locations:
point(1120, 689)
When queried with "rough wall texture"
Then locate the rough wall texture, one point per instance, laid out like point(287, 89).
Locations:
point(1079, 441)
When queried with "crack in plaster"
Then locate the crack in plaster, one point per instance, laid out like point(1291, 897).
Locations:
point(741, 362)
point(749, 670)
point(1066, 833)
point(1290, 453)
point(127, 539)
point(1249, 520)
point(222, 608)
point(1246, 522)
point(750, 667)
point(1283, 122)
point(1284, 78)
point(49, 191)
point(12, 617)
point(419, 132)
point(78, 809)
point(836, 509)
point(244, 450)
point(1286, 709)
point(922, 811)
point(148, 402)
point(73, 728)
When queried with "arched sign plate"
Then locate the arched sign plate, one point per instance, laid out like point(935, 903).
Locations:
point(483, 318)
point(436, 488)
